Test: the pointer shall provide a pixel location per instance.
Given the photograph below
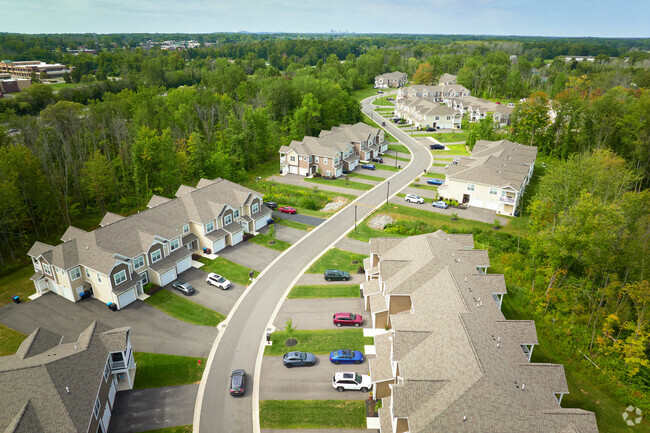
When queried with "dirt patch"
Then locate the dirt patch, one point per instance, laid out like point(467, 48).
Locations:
point(336, 204)
point(370, 408)
point(380, 221)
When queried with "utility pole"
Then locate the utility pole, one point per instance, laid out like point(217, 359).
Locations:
point(387, 191)
point(396, 156)
point(355, 217)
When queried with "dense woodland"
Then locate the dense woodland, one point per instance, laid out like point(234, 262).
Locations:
point(146, 121)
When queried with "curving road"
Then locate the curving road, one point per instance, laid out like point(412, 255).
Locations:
point(238, 345)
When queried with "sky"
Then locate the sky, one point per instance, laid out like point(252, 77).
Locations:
point(575, 18)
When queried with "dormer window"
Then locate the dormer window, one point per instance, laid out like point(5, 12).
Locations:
point(186, 228)
point(138, 262)
point(46, 269)
point(120, 277)
point(236, 213)
point(173, 245)
point(227, 219)
point(156, 256)
point(209, 227)
point(255, 208)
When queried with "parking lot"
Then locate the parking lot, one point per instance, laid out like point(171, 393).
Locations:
point(317, 313)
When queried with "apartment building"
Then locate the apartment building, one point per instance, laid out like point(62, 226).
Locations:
point(24, 69)
point(391, 79)
point(424, 113)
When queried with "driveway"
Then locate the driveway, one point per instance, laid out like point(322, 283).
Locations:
point(354, 246)
point(300, 218)
point(471, 213)
point(207, 295)
point(317, 313)
point(250, 255)
point(286, 234)
point(306, 383)
point(139, 410)
point(294, 179)
point(151, 329)
point(422, 192)
point(317, 279)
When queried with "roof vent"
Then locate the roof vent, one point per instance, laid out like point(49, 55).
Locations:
point(75, 347)
point(522, 386)
point(464, 418)
point(67, 390)
point(86, 246)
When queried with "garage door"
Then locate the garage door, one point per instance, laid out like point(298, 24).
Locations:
point(237, 237)
point(492, 205)
point(54, 287)
point(184, 265)
point(293, 169)
point(476, 202)
point(168, 277)
point(219, 245)
point(260, 223)
point(126, 298)
point(303, 171)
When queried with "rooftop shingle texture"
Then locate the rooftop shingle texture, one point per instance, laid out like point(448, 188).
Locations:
point(392, 75)
point(111, 217)
point(380, 368)
point(157, 200)
point(33, 389)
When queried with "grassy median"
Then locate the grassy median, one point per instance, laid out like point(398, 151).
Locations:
point(325, 291)
point(337, 258)
point(319, 341)
point(156, 370)
point(184, 309)
point(313, 414)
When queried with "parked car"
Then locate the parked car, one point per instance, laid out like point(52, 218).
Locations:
point(218, 281)
point(434, 181)
point(350, 381)
point(186, 288)
point(271, 205)
point(379, 91)
point(390, 99)
point(378, 159)
point(368, 166)
point(436, 146)
point(346, 356)
point(412, 198)
point(455, 161)
point(336, 275)
point(440, 204)
point(287, 209)
point(383, 123)
point(348, 319)
point(431, 129)
point(396, 119)
point(238, 383)
point(298, 359)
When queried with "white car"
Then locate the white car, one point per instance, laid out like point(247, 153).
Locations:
point(412, 198)
point(218, 281)
point(344, 381)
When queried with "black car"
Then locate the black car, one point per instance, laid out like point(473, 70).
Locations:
point(436, 146)
point(184, 287)
point(430, 129)
point(379, 159)
point(271, 205)
point(238, 383)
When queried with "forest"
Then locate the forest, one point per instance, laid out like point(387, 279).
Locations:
point(136, 122)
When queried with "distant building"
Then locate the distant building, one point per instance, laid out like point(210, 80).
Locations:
point(24, 69)
point(447, 79)
point(392, 79)
point(14, 85)
point(579, 58)
point(81, 50)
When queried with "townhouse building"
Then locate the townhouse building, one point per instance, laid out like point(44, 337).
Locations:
point(113, 262)
point(476, 109)
point(50, 387)
point(440, 93)
point(448, 360)
point(391, 79)
point(447, 79)
point(424, 113)
point(494, 177)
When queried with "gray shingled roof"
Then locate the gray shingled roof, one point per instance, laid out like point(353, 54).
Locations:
point(111, 217)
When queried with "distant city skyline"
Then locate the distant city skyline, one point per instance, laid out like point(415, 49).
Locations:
point(554, 18)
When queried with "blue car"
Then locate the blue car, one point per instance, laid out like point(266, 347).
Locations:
point(440, 204)
point(435, 181)
point(346, 356)
point(368, 166)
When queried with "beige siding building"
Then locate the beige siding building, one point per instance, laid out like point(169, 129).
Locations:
point(391, 79)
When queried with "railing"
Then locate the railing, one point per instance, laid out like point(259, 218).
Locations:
point(510, 200)
point(283, 160)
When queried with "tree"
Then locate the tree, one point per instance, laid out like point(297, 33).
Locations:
point(531, 118)
point(98, 179)
point(424, 74)
point(306, 118)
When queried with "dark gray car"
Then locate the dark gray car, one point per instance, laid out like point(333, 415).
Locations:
point(184, 287)
point(297, 359)
point(238, 383)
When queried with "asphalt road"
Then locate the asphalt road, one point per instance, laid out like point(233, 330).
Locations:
point(239, 343)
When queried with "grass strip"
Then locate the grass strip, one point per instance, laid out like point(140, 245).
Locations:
point(386, 167)
point(232, 271)
point(177, 429)
point(399, 158)
point(399, 148)
point(367, 177)
point(383, 101)
point(325, 291)
point(435, 175)
point(319, 341)
point(10, 340)
point(266, 240)
point(421, 186)
point(294, 224)
point(156, 370)
point(337, 258)
point(313, 414)
point(340, 182)
point(184, 309)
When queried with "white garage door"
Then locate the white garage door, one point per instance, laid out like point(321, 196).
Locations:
point(168, 277)
point(237, 237)
point(219, 245)
point(492, 205)
point(66, 292)
point(54, 287)
point(476, 202)
point(184, 264)
point(303, 171)
point(126, 298)
point(260, 223)
point(293, 169)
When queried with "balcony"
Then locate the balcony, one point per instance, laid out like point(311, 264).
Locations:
point(507, 199)
point(283, 159)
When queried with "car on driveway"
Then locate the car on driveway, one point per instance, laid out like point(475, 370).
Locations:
point(186, 288)
point(436, 146)
point(298, 359)
point(271, 205)
point(412, 198)
point(435, 181)
point(350, 381)
point(238, 383)
point(430, 129)
point(218, 281)
point(287, 209)
point(378, 159)
point(440, 204)
point(336, 275)
point(368, 166)
point(347, 319)
point(346, 356)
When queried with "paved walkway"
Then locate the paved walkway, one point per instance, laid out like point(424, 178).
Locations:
point(294, 179)
point(139, 410)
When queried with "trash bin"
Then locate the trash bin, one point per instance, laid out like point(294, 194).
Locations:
point(112, 306)
point(16, 299)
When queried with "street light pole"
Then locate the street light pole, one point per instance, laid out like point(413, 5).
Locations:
point(396, 156)
point(355, 217)
point(387, 191)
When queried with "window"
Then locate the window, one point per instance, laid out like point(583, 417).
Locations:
point(155, 256)
point(292, 158)
point(316, 158)
point(227, 220)
point(325, 161)
point(437, 117)
point(173, 245)
point(493, 190)
point(87, 273)
point(97, 406)
point(186, 228)
point(256, 207)
point(46, 269)
point(107, 371)
point(75, 274)
point(448, 117)
point(120, 277)
point(236, 213)
point(209, 227)
point(138, 262)
point(99, 277)
point(144, 278)
point(470, 187)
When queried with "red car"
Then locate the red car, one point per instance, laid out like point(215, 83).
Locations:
point(341, 319)
point(287, 209)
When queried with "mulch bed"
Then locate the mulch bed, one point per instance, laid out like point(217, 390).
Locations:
point(370, 408)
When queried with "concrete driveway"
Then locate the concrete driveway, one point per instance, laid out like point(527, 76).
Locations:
point(317, 313)
point(317, 279)
point(286, 234)
point(306, 383)
point(471, 213)
point(140, 410)
point(207, 295)
point(305, 219)
point(426, 193)
point(250, 255)
point(151, 329)
point(297, 180)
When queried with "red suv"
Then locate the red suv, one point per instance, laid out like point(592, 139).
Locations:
point(341, 319)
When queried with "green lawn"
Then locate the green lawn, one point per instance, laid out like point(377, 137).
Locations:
point(59, 86)
point(341, 182)
point(267, 241)
point(399, 158)
point(454, 149)
point(177, 429)
point(313, 414)
point(10, 340)
point(326, 291)
point(17, 283)
point(365, 233)
point(294, 224)
point(383, 101)
point(299, 197)
point(319, 342)
point(399, 148)
point(367, 177)
point(370, 122)
point(444, 159)
point(421, 186)
point(436, 175)
point(232, 271)
point(180, 307)
point(439, 164)
point(386, 167)
point(156, 370)
point(445, 137)
point(337, 258)
point(364, 93)
point(426, 200)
